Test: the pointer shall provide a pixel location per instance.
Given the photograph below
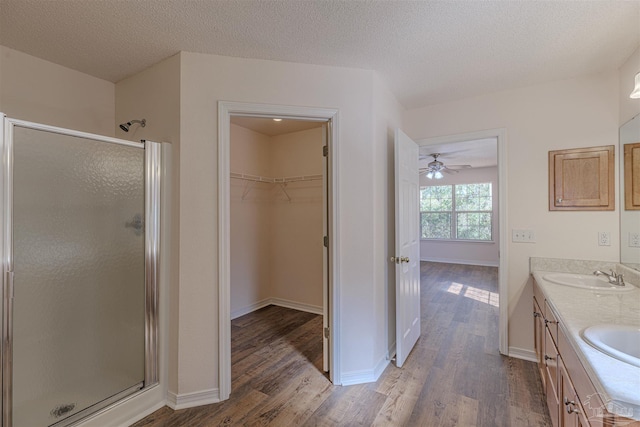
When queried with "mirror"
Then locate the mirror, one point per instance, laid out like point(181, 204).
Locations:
point(630, 193)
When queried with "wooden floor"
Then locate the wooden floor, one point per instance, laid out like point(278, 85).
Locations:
point(453, 377)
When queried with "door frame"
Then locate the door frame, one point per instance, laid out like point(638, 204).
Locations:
point(503, 273)
point(226, 109)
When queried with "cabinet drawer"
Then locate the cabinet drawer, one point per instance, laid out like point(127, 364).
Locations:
point(538, 296)
point(551, 322)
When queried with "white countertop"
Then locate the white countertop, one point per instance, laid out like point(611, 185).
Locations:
point(617, 382)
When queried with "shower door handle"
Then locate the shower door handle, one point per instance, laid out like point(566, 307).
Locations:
point(137, 223)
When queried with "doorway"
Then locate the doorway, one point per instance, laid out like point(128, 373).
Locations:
point(231, 110)
point(479, 147)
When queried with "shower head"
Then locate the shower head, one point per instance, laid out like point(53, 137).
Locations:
point(125, 126)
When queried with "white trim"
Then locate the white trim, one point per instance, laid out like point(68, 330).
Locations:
point(462, 261)
point(297, 305)
point(503, 274)
point(368, 375)
point(308, 308)
point(225, 110)
point(140, 415)
point(523, 353)
point(190, 400)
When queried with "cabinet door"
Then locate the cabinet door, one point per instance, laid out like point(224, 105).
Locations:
point(582, 179)
point(632, 176)
point(551, 371)
point(538, 332)
point(571, 411)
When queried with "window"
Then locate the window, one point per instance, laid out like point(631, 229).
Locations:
point(456, 212)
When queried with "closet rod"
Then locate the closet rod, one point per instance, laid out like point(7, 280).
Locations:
point(283, 180)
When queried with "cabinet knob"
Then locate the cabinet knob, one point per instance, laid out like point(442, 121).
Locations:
point(559, 200)
point(549, 357)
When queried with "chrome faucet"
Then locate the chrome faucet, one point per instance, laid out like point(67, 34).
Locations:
point(614, 278)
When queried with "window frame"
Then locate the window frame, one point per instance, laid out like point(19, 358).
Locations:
point(454, 217)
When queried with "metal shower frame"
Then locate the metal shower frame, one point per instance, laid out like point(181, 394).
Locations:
point(152, 177)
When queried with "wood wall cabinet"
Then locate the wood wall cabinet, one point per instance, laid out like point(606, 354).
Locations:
point(582, 179)
point(632, 176)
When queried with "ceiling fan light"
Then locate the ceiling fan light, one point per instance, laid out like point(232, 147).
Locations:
point(636, 90)
point(438, 175)
point(430, 175)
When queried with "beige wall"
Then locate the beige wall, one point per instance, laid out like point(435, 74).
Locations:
point(276, 243)
point(154, 94)
point(207, 79)
point(296, 232)
point(573, 113)
point(387, 116)
point(629, 107)
point(40, 91)
point(250, 221)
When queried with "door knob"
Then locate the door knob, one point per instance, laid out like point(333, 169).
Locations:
point(404, 259)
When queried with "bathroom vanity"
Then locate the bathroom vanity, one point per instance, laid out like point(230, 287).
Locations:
point(585, 386)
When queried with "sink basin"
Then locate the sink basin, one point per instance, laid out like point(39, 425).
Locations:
point(586, 281)
point(619, 341)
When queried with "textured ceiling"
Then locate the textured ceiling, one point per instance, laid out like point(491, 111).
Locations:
point(269, 127)
point(427, 51)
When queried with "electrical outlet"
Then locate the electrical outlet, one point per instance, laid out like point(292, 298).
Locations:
point(634, 240)
point(523, 236)
point(604, 238)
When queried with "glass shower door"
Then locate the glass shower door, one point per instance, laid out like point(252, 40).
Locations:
point(79, 274)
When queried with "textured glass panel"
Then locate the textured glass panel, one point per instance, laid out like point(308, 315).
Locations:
point(79, 273)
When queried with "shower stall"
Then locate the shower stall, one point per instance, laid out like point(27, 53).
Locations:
point(80, 249)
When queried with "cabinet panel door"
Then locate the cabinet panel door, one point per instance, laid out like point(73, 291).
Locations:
point(582, 179)
point(632, 176)
point(551, 372)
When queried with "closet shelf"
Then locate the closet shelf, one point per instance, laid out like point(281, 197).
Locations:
point(282, 182)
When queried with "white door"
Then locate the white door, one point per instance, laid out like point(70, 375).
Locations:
point(407, 256)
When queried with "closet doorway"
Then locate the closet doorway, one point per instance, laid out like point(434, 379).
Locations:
point(276, 222)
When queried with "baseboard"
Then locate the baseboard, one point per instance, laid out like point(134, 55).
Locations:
point(250, 308)
point(462, 261)
point(143, 414)
point(523, 353)
point(296, 305)
point(279, 302)
point(366, 376)
point(357, 377)
point(189, 400)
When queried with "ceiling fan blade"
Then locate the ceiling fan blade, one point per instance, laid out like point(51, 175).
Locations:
point(458, 166)
point(451, 171)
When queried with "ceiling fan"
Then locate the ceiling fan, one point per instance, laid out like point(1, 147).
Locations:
point(435, 168)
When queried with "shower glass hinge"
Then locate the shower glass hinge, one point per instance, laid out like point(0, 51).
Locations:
point(326, 333)
point(326, 241)
point(325, 150)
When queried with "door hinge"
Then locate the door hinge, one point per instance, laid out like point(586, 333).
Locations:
point(326, 333)
point(325, 150)
point(326, 241)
